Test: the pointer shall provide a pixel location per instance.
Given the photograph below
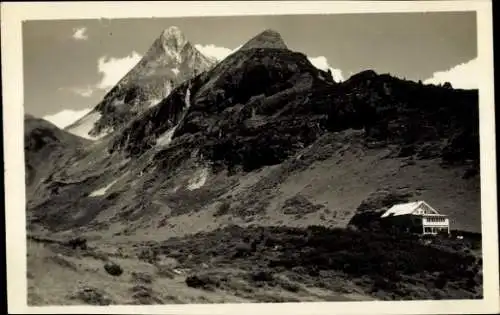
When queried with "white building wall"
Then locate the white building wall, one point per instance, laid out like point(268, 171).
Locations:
point(427, 222)
point(428, 225)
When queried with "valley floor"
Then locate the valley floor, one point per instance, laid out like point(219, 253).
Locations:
point(255, 264)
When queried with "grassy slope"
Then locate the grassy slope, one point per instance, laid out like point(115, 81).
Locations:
point(48, 264)
point(334, 178)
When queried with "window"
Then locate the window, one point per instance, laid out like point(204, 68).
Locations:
point(435, 219)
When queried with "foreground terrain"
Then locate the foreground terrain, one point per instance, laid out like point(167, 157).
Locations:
point(256, 264)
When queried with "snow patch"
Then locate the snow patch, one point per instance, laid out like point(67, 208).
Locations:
point(168, 88)
point(154, 102)
point(174, 55)
point(102, 191)
point(118, 103)
point(165, 138)
point(175, 71)
point(187, 98)
point(198, 180)
point(82, 127)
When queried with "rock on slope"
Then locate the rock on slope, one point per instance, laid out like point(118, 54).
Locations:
point(170, 60)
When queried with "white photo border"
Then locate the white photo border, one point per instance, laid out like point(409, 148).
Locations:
point(12, 16)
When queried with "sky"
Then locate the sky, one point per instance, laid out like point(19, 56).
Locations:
point(69, 65)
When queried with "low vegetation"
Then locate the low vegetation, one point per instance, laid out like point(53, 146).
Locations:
point(386, 265)
point(113, 269)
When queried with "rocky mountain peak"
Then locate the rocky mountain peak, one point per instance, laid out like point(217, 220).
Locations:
point(173, 38)
point(267, 39)
point(169, 61)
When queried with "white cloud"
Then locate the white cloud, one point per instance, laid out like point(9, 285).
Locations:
point(80, 33)
point(322, 63)
point(113, 69)
point(216, 52)
point(462, 76)
point(66, 117)
point(85, 92)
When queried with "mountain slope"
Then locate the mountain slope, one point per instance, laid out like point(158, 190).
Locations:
point(45, 147)
point(170, 60)
point(253, 85)
point(260, 109)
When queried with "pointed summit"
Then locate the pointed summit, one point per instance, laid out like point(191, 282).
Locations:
point(267, 39)
point(173, 38)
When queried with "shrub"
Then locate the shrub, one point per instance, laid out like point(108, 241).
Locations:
point(441, 281)
point(141, 277)
point(289, 286)
point(205, 282)
point(471, 172)
point(242, 250)
point(144, 295)
point(223, 208)
point(407, 150)
point(113, 269)
point(78, 242)
point(383, 284)
point(149, 255)
point(92, 296)
point(264, 276)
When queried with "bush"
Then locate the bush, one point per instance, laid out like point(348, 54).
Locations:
point(113, 269)
point(242, 250)
point(471, 172)
point(141, 277)
point(289, 286)
point(382, 284)
point(149, 255)
point(300, 206)
point(144, 295)
point(78, 242)
point(223, 209)
point(205, 282)
point(264, 276)
point(407, 150)
point(441, 281)
point(92, 296)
